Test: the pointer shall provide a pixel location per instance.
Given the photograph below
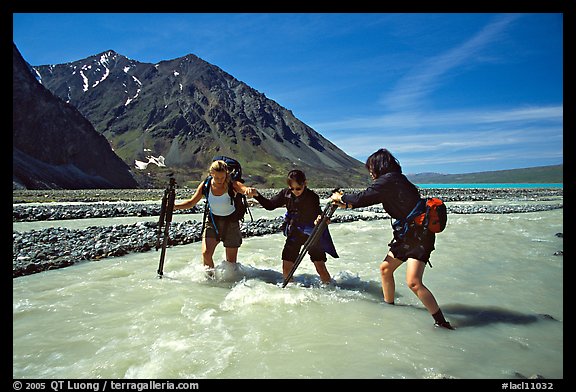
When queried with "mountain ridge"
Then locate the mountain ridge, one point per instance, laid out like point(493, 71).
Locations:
point(530, 175)
point(188, 111)
point(53, 145)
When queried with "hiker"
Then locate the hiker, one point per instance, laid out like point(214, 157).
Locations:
point(303, 213)
point(398, 197)
point(221, 222)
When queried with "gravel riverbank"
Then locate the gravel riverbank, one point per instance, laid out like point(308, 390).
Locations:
point(39, 250)
point(112, 195)
point(118, 203)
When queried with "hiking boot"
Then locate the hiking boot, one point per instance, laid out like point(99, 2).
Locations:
point(443, 324)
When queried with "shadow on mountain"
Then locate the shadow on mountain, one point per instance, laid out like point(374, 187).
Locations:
point(476, 316)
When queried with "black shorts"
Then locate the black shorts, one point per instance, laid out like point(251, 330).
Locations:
point(416, 244)
point(293, 245)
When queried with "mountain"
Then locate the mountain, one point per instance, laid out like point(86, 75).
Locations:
point(54, 146)
point(531, 175)
point(187, 111)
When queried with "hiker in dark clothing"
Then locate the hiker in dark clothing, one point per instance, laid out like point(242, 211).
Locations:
point(398, 197)
point(303, 213)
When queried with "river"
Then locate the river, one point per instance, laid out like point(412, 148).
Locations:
point(496, 277)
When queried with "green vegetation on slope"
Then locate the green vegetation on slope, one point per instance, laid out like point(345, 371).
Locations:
point(531, 175)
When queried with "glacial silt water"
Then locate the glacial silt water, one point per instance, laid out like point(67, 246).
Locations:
point(495, 276)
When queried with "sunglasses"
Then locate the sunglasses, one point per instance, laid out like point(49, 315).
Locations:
point(295, 189)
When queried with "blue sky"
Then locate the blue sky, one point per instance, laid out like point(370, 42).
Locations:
point(447, 93)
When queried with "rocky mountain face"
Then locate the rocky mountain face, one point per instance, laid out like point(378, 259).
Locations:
point(54, 146)
point(187, 111)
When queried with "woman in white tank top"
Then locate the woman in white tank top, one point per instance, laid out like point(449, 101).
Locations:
point(220, 205)
point(220, 223)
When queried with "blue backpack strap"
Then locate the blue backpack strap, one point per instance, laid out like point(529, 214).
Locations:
point(401, 226)
point(418, 209)
point(206, 186)
point(207, 209)
point(288, 224)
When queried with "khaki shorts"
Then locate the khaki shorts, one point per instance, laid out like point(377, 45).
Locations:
point(228, 230)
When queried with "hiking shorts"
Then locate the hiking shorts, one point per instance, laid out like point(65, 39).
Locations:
point(418, 244)
point(293, 245)
point(228, 230)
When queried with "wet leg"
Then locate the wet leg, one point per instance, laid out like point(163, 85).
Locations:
point(387, 268)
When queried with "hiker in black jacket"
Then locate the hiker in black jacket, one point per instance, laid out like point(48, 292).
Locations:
point(398, 197)
point(303, 211)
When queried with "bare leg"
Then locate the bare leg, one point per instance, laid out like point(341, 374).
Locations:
point(231, 254)
point(414, 272)
point(322, 271)
point(286, 268)
point(208, 247)
point(387, 268)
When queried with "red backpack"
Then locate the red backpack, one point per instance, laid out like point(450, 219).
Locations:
point(435, 216)
point(430, 213)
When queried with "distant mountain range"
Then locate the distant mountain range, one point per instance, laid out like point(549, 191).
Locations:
point(187, 111)
point(95, 122)
point(531, 175)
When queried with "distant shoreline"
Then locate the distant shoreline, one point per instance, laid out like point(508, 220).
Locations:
point(522, 185)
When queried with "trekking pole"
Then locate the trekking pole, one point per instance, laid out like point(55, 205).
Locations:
point(166, 210)
point(161, 218)
point(313, 238)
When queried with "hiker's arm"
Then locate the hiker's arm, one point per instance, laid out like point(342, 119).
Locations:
point(241, 188)
point(372, 195)
point(319, 217)
point(183, 205)
point(276, 201)
point(316, 204)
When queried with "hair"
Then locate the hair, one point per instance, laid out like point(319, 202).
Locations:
point(297, 176)
point(218, 166)
point(382, 162)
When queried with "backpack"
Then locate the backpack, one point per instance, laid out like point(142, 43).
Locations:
point(435, 215)
point(430, 213)
point(234, 167)
point(239, 200)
